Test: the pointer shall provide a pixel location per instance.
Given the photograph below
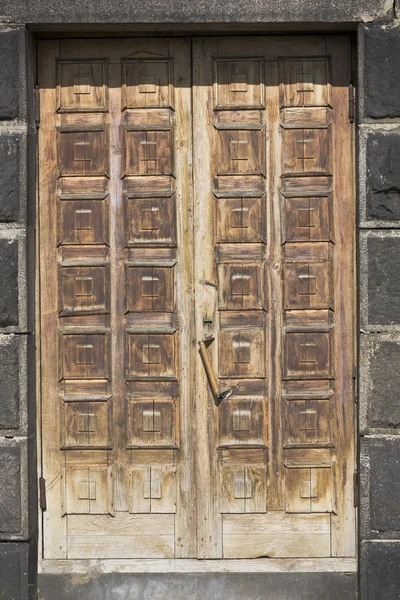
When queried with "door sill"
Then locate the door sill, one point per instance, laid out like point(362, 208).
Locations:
point(255, 565)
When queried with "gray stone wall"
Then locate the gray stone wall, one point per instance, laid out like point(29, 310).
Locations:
point(379, 210)
point(17, 384)
point(378, 89)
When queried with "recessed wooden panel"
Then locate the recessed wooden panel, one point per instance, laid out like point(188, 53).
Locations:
point(239, 83)
point(87, 490)
point(150, 289)
point(82, 86)
point(84, 356)
point(307, 285)
point(82, 152)
point(305, 82)
point(307, 355)
point(307, 422)
point(242, 422)
point(86, 424)
point(243, 482)
point(241, 354)
point(153, 489)
point(83, 222)
point(240, 219)
point(307, 219)
point(240, 151)
point(306, 150)
point(147, 83)
point(148, 152)
point(240, 286)
point(84, 289)
point(309, 489)
point(151, 355)
point(152, 423)
point(151, 221)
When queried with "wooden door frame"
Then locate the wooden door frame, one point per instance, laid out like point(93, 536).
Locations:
point(265, 565)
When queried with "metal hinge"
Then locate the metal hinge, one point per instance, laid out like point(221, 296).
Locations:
point(42, 493)
point(37, 106)
point(355, 391)
point(352, 104)
point(356, 489)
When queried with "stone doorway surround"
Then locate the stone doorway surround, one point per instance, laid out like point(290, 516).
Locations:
point(378, 123)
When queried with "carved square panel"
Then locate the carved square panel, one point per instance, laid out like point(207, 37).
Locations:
point(151, 355)
point(307, 219)
point(308, 355)
point(84, 289)
point(305, 82)
point(84, 356)
point(148, 152)
point(240, 151)
point(153, 489)
point(147, 83)
point(152, 423)
point(243, 488)
point(86, 424)
point(151, 221)
point(241, 422)
point(87, 490)
point(240, 286)
point(309, 489)
point(240, 220)
point(150, 289)
point(307, 285)
point(241, 354)
point(83, 153)
point(83, 222)
point(82, 86)
point(239, 83)
point(307, 422)
point(307, 150)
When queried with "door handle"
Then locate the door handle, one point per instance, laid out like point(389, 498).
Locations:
point(212, 380)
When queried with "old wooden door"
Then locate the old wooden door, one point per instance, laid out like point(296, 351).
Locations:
point(148, 246)
point(274, 244)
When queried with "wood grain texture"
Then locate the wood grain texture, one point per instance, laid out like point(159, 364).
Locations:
point(151, 241)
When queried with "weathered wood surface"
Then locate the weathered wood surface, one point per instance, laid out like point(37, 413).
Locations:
point(151, 241)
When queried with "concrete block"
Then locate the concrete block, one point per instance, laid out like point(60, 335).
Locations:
point(14, 489)
point(383, 177)
point(380, 280)
point(14, 571)
point(11, 365)
point(9, 74)
point(203, 11)
point(175, 586)
point(380, 487)
point(382, 72)
point(380, 573)
point(380, 383)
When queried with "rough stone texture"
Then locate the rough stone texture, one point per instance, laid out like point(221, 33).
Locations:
point(271, 586)
point(380, 382)
point(385, 485)
point(383, 172)
point(380, 571)
point(14, 572)
point(9, 283)
point(382, 72)
point(9, 178)
point(10, 486)
point(9, 77)
point(383, 280)
point(9, 383)
point(187, 11)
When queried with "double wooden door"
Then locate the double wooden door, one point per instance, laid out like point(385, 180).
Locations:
point(196, 191)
